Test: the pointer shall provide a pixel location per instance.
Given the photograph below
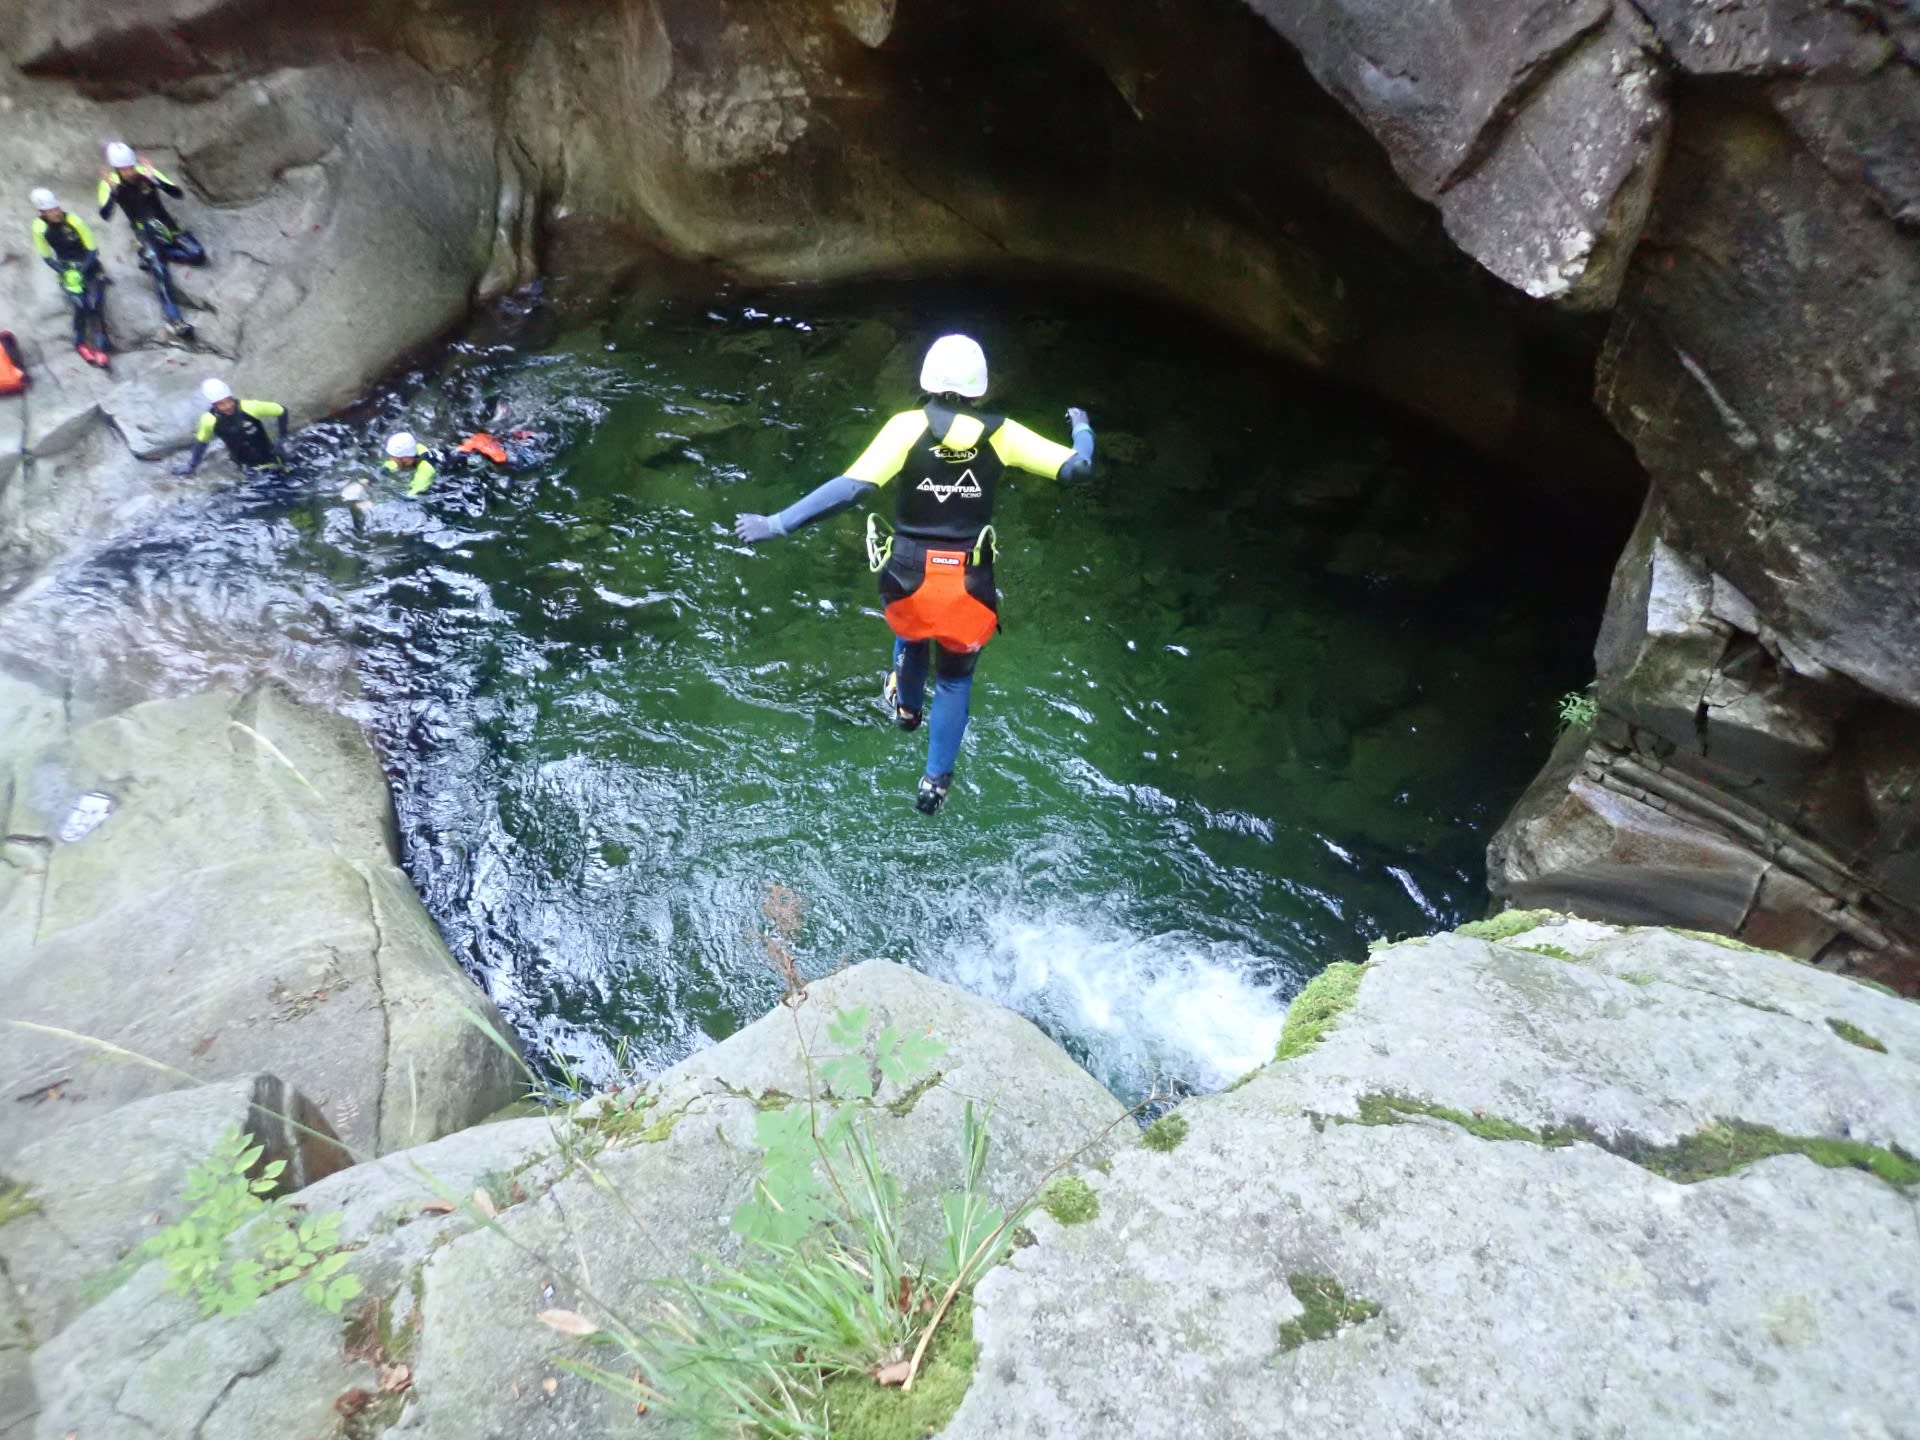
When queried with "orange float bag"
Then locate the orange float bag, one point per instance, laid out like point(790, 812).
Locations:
point(13, 366)
point(485, 444)
point(941, 608)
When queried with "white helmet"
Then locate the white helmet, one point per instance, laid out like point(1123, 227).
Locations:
point(956, 365)
point(120, 154)
point(44, 199)
point(403, 446)
point(215, 391)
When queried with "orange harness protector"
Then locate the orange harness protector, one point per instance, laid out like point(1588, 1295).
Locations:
point(941, 609)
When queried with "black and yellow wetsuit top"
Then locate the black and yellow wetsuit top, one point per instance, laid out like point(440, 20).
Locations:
point(64, 243)
point(949, 461)
point(139, 197)
point(419, 479)
point(242, 433)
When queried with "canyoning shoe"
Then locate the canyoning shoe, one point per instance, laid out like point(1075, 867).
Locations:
point(181, 329)
point(903, 717)
point(932, 793)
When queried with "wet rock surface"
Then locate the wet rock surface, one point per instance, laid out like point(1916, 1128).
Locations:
point(1639, 1146)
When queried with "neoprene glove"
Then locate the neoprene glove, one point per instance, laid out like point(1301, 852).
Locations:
point(1077, 417)
point(753, 528)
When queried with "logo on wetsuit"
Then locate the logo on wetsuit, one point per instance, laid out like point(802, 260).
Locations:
point(966, 487)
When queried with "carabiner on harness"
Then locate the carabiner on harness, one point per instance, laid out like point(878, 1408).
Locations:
point(879, 542)
point(988, 544)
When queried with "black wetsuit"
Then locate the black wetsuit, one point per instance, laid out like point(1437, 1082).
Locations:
point(67, 246)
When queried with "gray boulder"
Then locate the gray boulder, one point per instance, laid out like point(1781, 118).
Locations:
point(1464, 1214)
point(207, 887)
point(592, 1214)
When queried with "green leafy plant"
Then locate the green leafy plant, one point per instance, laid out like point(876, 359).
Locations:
point(1579, 709)
point(234, 1245)
point(825, 1313)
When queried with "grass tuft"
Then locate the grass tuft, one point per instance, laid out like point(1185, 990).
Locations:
point(1854, 1035)
point(1327, 997)
point(1070, 1200)
point(1327, 1309)
point(1166, 1133)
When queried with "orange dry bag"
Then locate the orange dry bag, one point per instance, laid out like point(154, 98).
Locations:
point(486, 445)
point(13, 367)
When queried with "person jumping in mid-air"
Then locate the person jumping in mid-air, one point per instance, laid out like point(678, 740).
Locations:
point(240, 426)
point(65, 243)
point(936, 570)
point(135, 187)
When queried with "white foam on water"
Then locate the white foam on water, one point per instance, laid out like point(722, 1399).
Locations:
point(1146, 1008)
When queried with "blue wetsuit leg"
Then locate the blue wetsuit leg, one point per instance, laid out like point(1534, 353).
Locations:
point(952, 696)
point(910, 672)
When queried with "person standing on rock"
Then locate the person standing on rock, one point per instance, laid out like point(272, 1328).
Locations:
point(135, 187)
point(936, 567)
point(67, 246)
point(240, 426)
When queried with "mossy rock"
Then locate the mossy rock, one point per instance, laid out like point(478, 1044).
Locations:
point(1070, 1200)
point(1314, 1009)
point(859, 1409)
point(1327, 1310)
point(1508, 924)
point(1166, 1133)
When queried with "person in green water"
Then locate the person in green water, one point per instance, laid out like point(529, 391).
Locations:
point(936, 570)
point(240, 425)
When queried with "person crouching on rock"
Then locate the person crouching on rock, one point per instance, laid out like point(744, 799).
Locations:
point(240, 425)
point(67, 246)
point(936, 569)
point(136, 187)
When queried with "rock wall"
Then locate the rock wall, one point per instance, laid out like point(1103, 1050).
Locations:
point(1760, 707)
point(1552, 1177)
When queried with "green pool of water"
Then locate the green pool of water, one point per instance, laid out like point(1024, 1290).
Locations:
point(1264, 688)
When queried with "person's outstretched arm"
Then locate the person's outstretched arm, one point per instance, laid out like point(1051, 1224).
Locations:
point(1021, 448)
point(202, 438)
point(878, 464)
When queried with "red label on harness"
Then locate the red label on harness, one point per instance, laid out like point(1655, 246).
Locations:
point(938, 558)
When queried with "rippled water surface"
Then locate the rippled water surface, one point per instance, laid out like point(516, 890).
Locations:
point(1264, 690)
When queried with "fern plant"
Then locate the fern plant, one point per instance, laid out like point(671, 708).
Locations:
point(234, 1245)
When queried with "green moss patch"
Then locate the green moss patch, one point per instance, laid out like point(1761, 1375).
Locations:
point(1166, 1133)
point(1722, 1149)
point(1727, 942)
point(1070, 1200)
point(1552, 952)
point(1396, 1109)
point(1707, 1154)
point(1508, 924)
point(1854, 1035)
point(858, 1409)
point(902, 1104)
point(1327, 1307)
point(16, 1202)
point(1313, 1011)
